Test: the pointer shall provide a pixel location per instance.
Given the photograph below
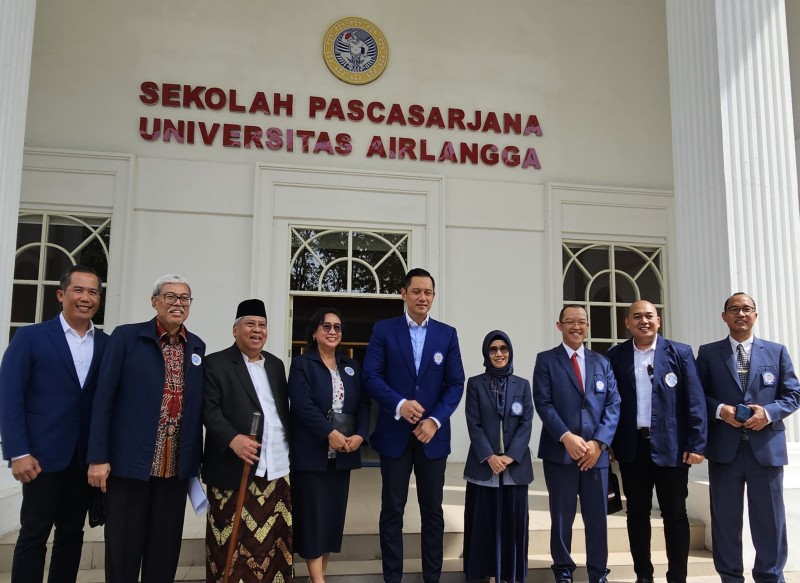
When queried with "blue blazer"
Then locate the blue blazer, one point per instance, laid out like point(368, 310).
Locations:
point(483, 424)
point(43, 410)
point(310, 399)
point(127, 405)
point(678, 422)
point(390, 375)
point(772, 383)
point(562, 406)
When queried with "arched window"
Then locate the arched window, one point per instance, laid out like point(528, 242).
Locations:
point(347, 260)
point(47, 245)
point(606, 278)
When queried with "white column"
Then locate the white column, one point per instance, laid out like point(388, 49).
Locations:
point(16, 43)
point(736, 201)
point(737, 221)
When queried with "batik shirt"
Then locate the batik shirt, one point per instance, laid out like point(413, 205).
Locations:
point(165, 459)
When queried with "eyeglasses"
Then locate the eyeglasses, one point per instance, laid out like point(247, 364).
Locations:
point(569, 323)
point(327, 326)
point(746, 310)
point(495, 349)
point(172, 299)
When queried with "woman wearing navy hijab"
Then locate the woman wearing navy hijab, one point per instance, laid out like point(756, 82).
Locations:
point(499, 412)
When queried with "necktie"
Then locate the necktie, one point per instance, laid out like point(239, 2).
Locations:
point(742, 366)
point(577, 368)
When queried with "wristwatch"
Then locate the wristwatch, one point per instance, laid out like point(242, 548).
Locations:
point(602, 445)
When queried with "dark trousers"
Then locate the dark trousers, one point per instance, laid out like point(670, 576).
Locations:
point(395, 474)
point(57, 499)
point(671, 485)
point(566, 483)
point(766, 513)
point(144, 526)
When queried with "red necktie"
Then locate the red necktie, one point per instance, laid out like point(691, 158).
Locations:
point(577, 368)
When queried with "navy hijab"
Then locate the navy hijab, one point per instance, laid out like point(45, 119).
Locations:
point(498, 376)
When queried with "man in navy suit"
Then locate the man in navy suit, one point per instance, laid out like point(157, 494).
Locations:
point(145, 441)
point(749, 448)
point(661, 432)
point(413, 370)
point(576, 397)
point(47, 383)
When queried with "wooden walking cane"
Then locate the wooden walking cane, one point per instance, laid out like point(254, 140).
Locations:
point(233, 541)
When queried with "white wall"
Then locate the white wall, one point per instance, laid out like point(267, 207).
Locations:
point(594, 73)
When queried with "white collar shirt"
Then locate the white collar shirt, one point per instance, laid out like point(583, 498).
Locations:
point(273, 459)
point(643, 372)
point(581, 359)
point(746, 344)
point(81, 348)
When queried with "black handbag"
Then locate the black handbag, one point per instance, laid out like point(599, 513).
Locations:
point(97, 511)
point(344, 423)
point(614, 494)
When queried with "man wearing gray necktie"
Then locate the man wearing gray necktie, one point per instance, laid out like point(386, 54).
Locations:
point(750, 387)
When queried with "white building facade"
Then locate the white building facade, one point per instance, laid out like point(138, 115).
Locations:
point(528, 154)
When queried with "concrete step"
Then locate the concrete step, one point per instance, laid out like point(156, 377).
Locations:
point(360, 556)
point(369, 571)
point(366, 547)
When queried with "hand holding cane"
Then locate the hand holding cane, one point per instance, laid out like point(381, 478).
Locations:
point(233, 541)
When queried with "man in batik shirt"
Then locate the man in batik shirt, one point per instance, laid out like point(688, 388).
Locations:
point(145, 441)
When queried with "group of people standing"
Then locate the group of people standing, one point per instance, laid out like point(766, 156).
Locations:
point(127, 411)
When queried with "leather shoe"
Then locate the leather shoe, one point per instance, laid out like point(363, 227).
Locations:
point(644, 580)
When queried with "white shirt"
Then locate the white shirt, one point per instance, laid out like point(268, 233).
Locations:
point(748, 347)
point(81, 348)
point(581, 360)
point(273, 459)
point(581, 365)
point(642, 368)
point(418, 333)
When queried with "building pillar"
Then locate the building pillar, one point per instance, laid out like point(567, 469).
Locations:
point(737, 218)
point(16, 44)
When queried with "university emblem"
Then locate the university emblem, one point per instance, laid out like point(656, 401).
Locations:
point(355, 50)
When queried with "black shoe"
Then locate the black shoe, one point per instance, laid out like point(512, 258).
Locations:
point(644, 580)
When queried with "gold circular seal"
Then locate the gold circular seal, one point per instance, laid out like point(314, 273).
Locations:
point(355, 50)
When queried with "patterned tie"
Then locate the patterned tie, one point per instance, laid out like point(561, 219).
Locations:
point(742, 366)
point(577, 368)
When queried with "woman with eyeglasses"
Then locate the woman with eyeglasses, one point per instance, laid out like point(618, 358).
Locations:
point(329, 422)
point(499, 412)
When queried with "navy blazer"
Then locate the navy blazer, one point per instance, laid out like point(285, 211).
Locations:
point(311, 397)
point(678, 422)
point(593, 414)
point(127, 405)
point(229, 401)
point(772, 383)
point(43, 410)
point(390, 376)
point(483, 424)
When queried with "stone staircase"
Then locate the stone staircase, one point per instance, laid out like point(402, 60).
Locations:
point(359, 560)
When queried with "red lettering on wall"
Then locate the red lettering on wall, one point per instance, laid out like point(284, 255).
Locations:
point(149, 94)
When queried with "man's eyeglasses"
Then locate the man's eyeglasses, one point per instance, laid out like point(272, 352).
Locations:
point(327, 327)
point(172, 299)
point(746, 310)
point(495, 349)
